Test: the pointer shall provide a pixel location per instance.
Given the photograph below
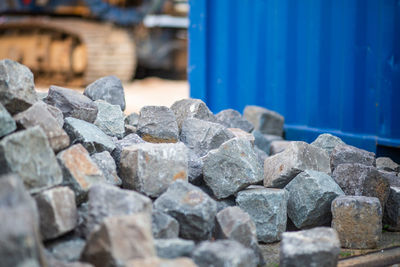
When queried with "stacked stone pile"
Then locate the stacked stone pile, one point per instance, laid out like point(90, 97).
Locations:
point(84, 185)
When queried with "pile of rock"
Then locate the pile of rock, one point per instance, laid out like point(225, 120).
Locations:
point(83, 185)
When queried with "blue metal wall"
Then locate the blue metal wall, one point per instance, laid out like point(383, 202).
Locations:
point(326, 65)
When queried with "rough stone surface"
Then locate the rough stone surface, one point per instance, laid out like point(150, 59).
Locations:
point(231, 168)
point(349, 154)
point(192, 208)
point(386, 164)
point(38, 115)
point(132, 119)
point(28, 153)
point(79, 171)
point(261, 156)
point(89, 135)
point(361, 180)
point(110, 119)
point(157, 262)
point(174, 248)
point(263, 141)
point(72, 103)
point(128, 140)
point(163, 225)
point(264, 120)
point(7, 124)
point(120, 239)
point(151, 168)
point(106, 164)
point(267, 207)
point(316, 247)
point(358, 221)
point(157, 124)
point(239, 133)
point(233, 119)
point(277, 146)
point(67, 249)
point(202, 136)
point(327, 142)
point(105, 200)
point(195, 168)
point(310, 196)
point(17, 89)
point(393, 179)
point(108, 88)
point(57, 212)
point(281, 168)
point(223, 253)
point(392, 209)
point(56, 113)
point(191, 108)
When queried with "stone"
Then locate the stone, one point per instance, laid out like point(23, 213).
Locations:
point(57, 212)
point(233, 119)
point(163, 225)
point(310, 196)
point(231, 168)
point(316, 247)
point(239, 133)
point(89, 135)
point(38, 115)
point(105, 201)
point(261, 156)
point(195, 168)
point(203, 136)
point(361, 180)
point(79, 171)
point(192, 208)
point(19, 232)
point(235, 224)
point(392, 209)
point(157, 262)
point(7, 124)
point(72, 103)
point(157, 124)
point(132, 119)
point(264, 120)
point(327, 142)
point(191, 108)
point(17, 89)
point(120, 239)
point(110, 119)
point(263, 141)
point(66, 249)
point(41, 95)
point(358, 221)
point(106, 164)
point(108, 88)
point(129, 129)
point(150, 168)
point(278, 146)
point(223, 253)
point(391, 177)
point(56, 113)
point(386, 164)
point(349, 154)
point(28, 153)
point(267, 207)
point(128, 140)
point(174, 248)
point(281, 168)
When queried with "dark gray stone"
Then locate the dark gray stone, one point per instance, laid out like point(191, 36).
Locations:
point(66, 250)
point(233, 119)
point(72, 103)
point(195, 168)
point(361, 180)
point(281, 168)
point(202, 136)
point(264, 120)
point(386, 164)
point(358, 221)
point(316, 247)
point(393, 179)
point(263, 141)
point(261, 156)
point(278, 146)
point(128, 140)
point(223, 253)
point(310, 196)
point(110, 119)
point(150, 168)
point(225, 203)
point(7, 124)
point(91, 137)
point(108, 88)
point(327, 142)
point(349, 154)
point(17, 89)
point(191, 108)
point(392, 209)
point(129, 129)
point(28, 153)
point(38, 115)
point(267, 208)
point(163, 225)
point(231, 168)
point(106, 164)
point(192, 208)
point(174, 248)
point(132, 119)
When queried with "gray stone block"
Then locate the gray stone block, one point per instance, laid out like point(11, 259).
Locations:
point(191, 108)
point(164, 226)
point(277, 146)
point(386, 164)
point(327, 142)
point(7, 124)
point(264, 120)
point(261, 156)
point(263, 141)
point(67, 249)
point(106, 164)
point(174, 248)
point(233, 119)
point(128, 140)
point(281, 168)
point(349, 154)
point(195, 168)
point(132, 119)
point(56, 113)
point(231, 168)
point(110, 119)
point(392, 209)
point(239, 133)
point(310, 196)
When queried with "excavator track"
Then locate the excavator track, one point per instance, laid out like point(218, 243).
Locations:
point(68, 51)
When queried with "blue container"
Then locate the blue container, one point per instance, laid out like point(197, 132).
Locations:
point(326, 65)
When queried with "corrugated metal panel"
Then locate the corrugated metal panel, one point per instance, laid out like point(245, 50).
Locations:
point(326, 65)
